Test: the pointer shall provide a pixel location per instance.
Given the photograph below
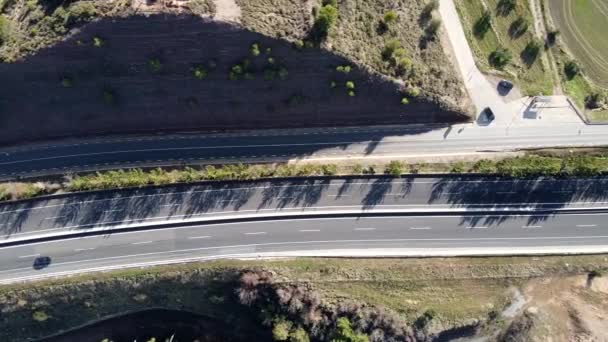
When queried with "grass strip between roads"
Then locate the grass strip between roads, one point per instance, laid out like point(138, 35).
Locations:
point(518, 167)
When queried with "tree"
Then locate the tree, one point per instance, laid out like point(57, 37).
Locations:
point(483, 24)
point(199, 72)
point(255, 50)
point(504, 7)
point(280, 331)
point(345, 332)
point(433, 27)
point(390, 17)
point(552, 37)
point(571, 68)
point(532, 50)
point(519, 27)
point(429, 8)
point(500, 58)
point(299, 335)
point(326, 19)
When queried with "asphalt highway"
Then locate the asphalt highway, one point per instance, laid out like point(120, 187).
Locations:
point(330, 145)
point(260, 238)
point(235, 200)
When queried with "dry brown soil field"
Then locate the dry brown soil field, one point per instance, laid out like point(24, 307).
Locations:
point(136, 74)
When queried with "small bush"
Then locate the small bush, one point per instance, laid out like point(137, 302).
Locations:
point(67, 82)
point(504, 7)
point(433, 5)
point(333, 84)
point(283, 73)
point(326, 19)
point(483, 24)
point(571, 68)
point(405, 101)
point(500, 58)
point(108, 96)
point(98, 42)
point(350, 85)
point(351, 93)
point(345, 69)
point(299, 335)
point(199, 72)
point(519, 27)
point(280, 331)
point(155, 65)
point(390, 17)
point(255, 50)
point(532, 50)
point(40, 316)
point(404, 66)
point(395, 168)
point(457, 167)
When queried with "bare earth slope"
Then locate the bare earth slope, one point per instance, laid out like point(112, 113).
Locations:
point(137, 74)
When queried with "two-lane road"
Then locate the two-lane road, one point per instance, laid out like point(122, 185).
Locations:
point(324, 236)
point(327, 145)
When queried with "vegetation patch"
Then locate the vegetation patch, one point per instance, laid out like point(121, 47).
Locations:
point(501, 35)
point(316, 299)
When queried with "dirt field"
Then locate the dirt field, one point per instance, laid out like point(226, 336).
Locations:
point(137, 74)
point(583, 25)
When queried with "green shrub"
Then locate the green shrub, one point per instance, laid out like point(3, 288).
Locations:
point(199, 72)
point(40, 316)
point(405, 101)
point(395, 168)
point(331, 3)
point(533, 49)
point(155, 65)
point(108, 96)
point(345, 332)
point(298, 44)
point(571, 69)
point(428, 9)
point(5, 26)
point(333, 84)
point(81, 11)
point(389, 48)
point(351, 93)
point(457, 167)
point(67, 82)
point(283, 73)
point(519, 27)
point(404, 66)
point(280, 331)
point(500, 57)
point(505, 7)
point(326, 19)
point(483, 24)
point(299, 335)
point(390, 17)
point(345, 69)
point(98, 42)
point(350, 85)
point(255, 50)
point(485, 166)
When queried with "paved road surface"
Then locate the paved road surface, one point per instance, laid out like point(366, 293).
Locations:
point(257, 238)
point(295, 197)
point(329, 145)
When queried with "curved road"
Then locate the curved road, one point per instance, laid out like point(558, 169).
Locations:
point(330, 236)
point(327, 145)
point(441, 216)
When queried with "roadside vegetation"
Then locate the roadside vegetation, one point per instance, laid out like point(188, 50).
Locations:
point(531, 165)
point(580, 53)
point(301, 300)
point(502, 36)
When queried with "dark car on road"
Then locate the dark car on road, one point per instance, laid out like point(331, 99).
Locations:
point(504, 84)
point(41, 262)
point(489, 114)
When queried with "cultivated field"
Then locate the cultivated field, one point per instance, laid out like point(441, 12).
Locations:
point(583, 25)
point(125, 72)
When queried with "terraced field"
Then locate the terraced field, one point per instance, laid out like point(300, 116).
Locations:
point(583, 25)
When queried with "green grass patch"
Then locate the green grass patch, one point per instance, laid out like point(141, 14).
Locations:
point(531, 75)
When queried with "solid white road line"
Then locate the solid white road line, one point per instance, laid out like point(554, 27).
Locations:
point(586, 225)
point(364, 229)
point(54, 217)
point(198, 237)
point(477, 227)
point(83, 249)
point(525, 227)
point(142, 243)
point(256, 233)
point(309, 230)
point(29, 256)
point(421, 228)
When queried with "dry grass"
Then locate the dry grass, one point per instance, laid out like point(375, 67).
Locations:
point(459, 289)
point(358, 36)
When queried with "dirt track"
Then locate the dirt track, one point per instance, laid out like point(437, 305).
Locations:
point(34, 104)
